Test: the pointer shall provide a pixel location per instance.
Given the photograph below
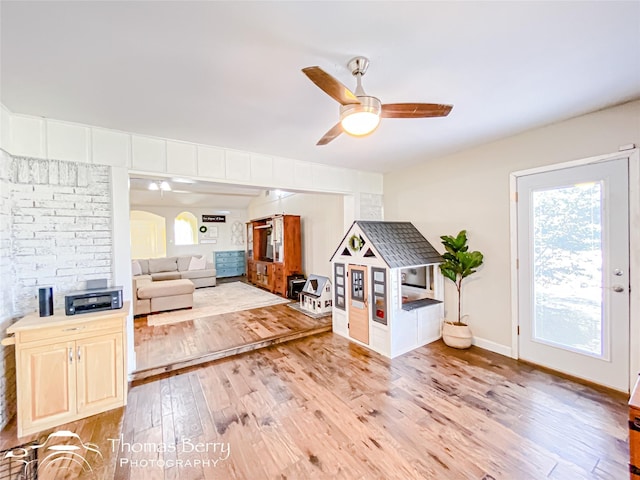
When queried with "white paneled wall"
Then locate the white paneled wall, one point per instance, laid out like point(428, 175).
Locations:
point(182, 158)
point(27, 136)
point(110, 148)
point(149, 154)
point(5, 128)
point(37, 137)
point(210, 162)
point(262, 168)
point(238, 166)
point(68, 142)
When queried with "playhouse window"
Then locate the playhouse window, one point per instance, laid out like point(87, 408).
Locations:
point(379, 294)
point(417, 283)
point(339, 276)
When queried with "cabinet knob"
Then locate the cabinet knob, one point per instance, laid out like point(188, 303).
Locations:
point(71, 355)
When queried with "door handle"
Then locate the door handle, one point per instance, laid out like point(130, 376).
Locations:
point(618, 288)
point(71, 355)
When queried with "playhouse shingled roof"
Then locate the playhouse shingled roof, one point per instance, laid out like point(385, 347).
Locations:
point(400, 244)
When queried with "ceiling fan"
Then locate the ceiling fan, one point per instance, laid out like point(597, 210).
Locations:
point(360, 113)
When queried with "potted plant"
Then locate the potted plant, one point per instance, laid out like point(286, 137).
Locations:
point(458, 264)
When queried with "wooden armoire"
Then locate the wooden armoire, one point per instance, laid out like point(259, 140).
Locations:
point(273, 251)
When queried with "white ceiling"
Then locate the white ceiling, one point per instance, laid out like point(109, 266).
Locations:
point(228, 73)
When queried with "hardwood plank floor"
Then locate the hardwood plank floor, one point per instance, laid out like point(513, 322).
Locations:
point(165, 348)
point(322, 407)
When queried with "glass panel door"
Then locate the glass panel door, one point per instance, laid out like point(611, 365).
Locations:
point(573, 275)
point(567, 267)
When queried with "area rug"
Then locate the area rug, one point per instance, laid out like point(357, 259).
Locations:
point(225, 298)
point(296, 306)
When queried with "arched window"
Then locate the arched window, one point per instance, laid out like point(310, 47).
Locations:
point(185, 229)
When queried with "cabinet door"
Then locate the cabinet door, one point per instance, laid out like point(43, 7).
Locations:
point(251, 271)
point(279, 282)
point(46, 385)
point(100, 373)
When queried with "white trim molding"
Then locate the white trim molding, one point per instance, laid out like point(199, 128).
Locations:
point(492, 346)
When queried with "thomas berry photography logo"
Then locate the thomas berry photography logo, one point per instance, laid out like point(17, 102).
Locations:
point(60, 451)
point(185, 453)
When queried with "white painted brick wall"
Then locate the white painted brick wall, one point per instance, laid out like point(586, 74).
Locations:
point(371, 206)
point(7, 354)
point(61, 228)
point(55, 230)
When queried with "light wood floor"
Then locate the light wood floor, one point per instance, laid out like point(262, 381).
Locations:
point(165, 348)
point(321, 407)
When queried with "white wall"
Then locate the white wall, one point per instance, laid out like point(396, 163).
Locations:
point(7, 277)
point(7, 281)
point(61, 228)
point(321, 218)
point(470, 190)
point(223, 242)
point(39, 137)
point(43, 138)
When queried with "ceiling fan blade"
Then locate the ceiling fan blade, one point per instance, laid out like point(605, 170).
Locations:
point(330, 86)
point(415, 110)
point(331, 134)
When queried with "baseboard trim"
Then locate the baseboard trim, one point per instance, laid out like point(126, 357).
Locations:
point(492, 346)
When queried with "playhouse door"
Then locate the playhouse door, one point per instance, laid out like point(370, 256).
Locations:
point(358, 304)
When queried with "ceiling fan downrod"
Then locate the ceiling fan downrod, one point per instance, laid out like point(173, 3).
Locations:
point(358, 67)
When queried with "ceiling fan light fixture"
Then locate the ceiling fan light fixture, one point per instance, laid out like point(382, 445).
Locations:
point(163, 186)
point(361, 119)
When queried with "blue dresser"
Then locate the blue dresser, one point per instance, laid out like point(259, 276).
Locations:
point(229, 264)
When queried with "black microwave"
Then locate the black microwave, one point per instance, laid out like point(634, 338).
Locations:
point(93, 300)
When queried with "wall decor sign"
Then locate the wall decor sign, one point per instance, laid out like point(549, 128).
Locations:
point(214, 218)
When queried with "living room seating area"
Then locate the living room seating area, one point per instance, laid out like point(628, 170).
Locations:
point(161, 284)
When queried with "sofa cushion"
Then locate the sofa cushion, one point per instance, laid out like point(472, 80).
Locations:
point(197, 263)
point(199, 273)
point(163, 276)
point(141, 280)
point(183, 263)
point(144, 264)
point(165, 289)
point(136, 268)
point(157, 265)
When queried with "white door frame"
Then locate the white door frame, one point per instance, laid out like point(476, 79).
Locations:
point(633, 156)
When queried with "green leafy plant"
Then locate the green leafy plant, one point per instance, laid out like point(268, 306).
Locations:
point(459, 263)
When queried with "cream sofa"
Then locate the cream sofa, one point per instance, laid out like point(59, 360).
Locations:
point(152, 297)
point(176, 268)
point(161, 284)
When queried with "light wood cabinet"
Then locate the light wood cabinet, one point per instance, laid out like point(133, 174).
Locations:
point(68, 368)
point(273, 251)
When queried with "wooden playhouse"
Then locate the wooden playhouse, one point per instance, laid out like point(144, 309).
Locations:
point(388, 289)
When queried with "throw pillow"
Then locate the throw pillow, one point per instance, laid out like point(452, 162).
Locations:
point(198, 263)
point(136, 268)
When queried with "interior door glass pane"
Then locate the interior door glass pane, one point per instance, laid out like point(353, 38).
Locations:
point(567, 267)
